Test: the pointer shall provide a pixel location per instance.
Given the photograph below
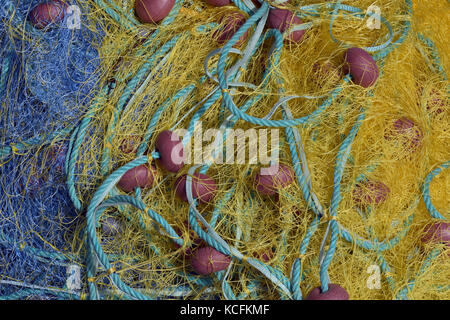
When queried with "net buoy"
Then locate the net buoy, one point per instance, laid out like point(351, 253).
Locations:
point(195, 242)
point(208, 260)
point(275, 177)
point(283, 19)
point(435, 103)
point(141, 176)
point(370, 192)
point(130, 145)
point(47, 13)
point(438, 232)
point(219, 3)
point(232, 22)
point(409, 134)
point(170, 149)
point(264, 255)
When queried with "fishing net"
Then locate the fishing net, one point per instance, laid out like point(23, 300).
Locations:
point(84, 100)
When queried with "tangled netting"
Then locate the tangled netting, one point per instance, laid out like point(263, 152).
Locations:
point(83, 102)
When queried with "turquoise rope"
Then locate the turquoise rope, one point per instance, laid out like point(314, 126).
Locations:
point(92, 243)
